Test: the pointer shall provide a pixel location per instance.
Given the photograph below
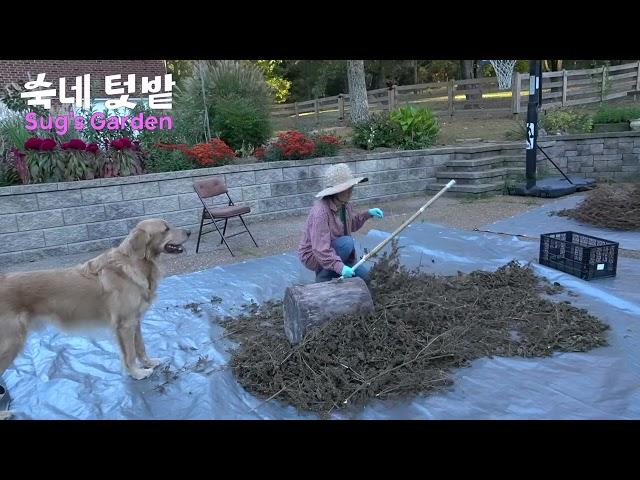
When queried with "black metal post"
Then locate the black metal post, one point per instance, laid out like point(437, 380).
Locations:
point(535, 100)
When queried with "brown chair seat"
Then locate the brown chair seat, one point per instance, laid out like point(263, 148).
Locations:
point(227, 212)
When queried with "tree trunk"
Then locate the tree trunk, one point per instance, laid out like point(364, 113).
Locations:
point(308, 306)
point(358, 103)
point(469, 71)
point(552, 65)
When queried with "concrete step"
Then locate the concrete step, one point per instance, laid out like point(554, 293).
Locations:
point(461, 164)
point(490, 173)
point(457, 164)
point(464, 189)
point(474, 181)
point(487, 150)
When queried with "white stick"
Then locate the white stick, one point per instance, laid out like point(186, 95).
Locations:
point(403, 226)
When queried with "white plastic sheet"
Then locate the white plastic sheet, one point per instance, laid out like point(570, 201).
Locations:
point(63, 376)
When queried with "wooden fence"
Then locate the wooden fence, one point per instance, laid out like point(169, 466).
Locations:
point(481, 95)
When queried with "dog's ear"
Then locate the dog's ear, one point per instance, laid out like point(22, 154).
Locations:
point(135, 245)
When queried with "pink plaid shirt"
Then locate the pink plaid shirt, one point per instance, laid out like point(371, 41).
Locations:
point(322, 227)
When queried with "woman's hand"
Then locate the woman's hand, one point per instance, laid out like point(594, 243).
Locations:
point(376, 212)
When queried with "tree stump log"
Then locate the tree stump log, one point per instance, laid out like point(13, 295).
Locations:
point(309, 306)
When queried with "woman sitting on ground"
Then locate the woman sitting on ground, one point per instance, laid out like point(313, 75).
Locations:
point(327, 247)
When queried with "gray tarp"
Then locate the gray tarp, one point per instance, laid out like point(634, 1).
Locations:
point(62, 376)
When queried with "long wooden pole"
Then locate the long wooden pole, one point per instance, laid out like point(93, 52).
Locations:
point(403, 226)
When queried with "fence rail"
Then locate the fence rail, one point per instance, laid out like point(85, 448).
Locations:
point(482, 95)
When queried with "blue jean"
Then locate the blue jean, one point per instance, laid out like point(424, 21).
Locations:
point(344, 247)
point(5, 399)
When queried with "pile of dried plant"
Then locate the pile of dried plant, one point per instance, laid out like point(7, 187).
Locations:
point(422, 328)
point(609, 206)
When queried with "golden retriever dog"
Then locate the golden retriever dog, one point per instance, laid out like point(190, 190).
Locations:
point(113, 289)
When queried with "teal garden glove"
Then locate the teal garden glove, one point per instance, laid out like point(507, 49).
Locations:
point(347, 272)
point(376, 212)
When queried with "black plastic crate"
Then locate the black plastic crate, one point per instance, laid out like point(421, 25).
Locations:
point(581, 255)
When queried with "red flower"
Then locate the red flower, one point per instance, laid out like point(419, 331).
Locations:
point(33, 143)
point(294, 145)
point(48, 145)
point(258, 152)
point(92, 147)
point(77, 144)
point(117, 144)
point(126, 143)
point(206, 154)
point(330, 139)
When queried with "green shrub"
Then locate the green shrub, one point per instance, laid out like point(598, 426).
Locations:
point(272, 154)
point(228, 84)
point(419, 126)
point(326, 145)
point(378, 131)
point(13, 133)
point(608, 114)
point(225, 78)
point(104, 136)
point(240, 122)
point(566, 120)
point(406, 127)
point(163, 160)
point(8, 173)
point(518, 132)
point(188, 115)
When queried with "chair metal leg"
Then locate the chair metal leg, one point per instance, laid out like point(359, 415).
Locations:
point(224, 230)
point(245, 226)
point(223, 239)
point(200, 231)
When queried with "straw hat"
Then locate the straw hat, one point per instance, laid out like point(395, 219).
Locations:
point(338, 178)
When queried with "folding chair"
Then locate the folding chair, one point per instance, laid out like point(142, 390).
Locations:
point(212, 188)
